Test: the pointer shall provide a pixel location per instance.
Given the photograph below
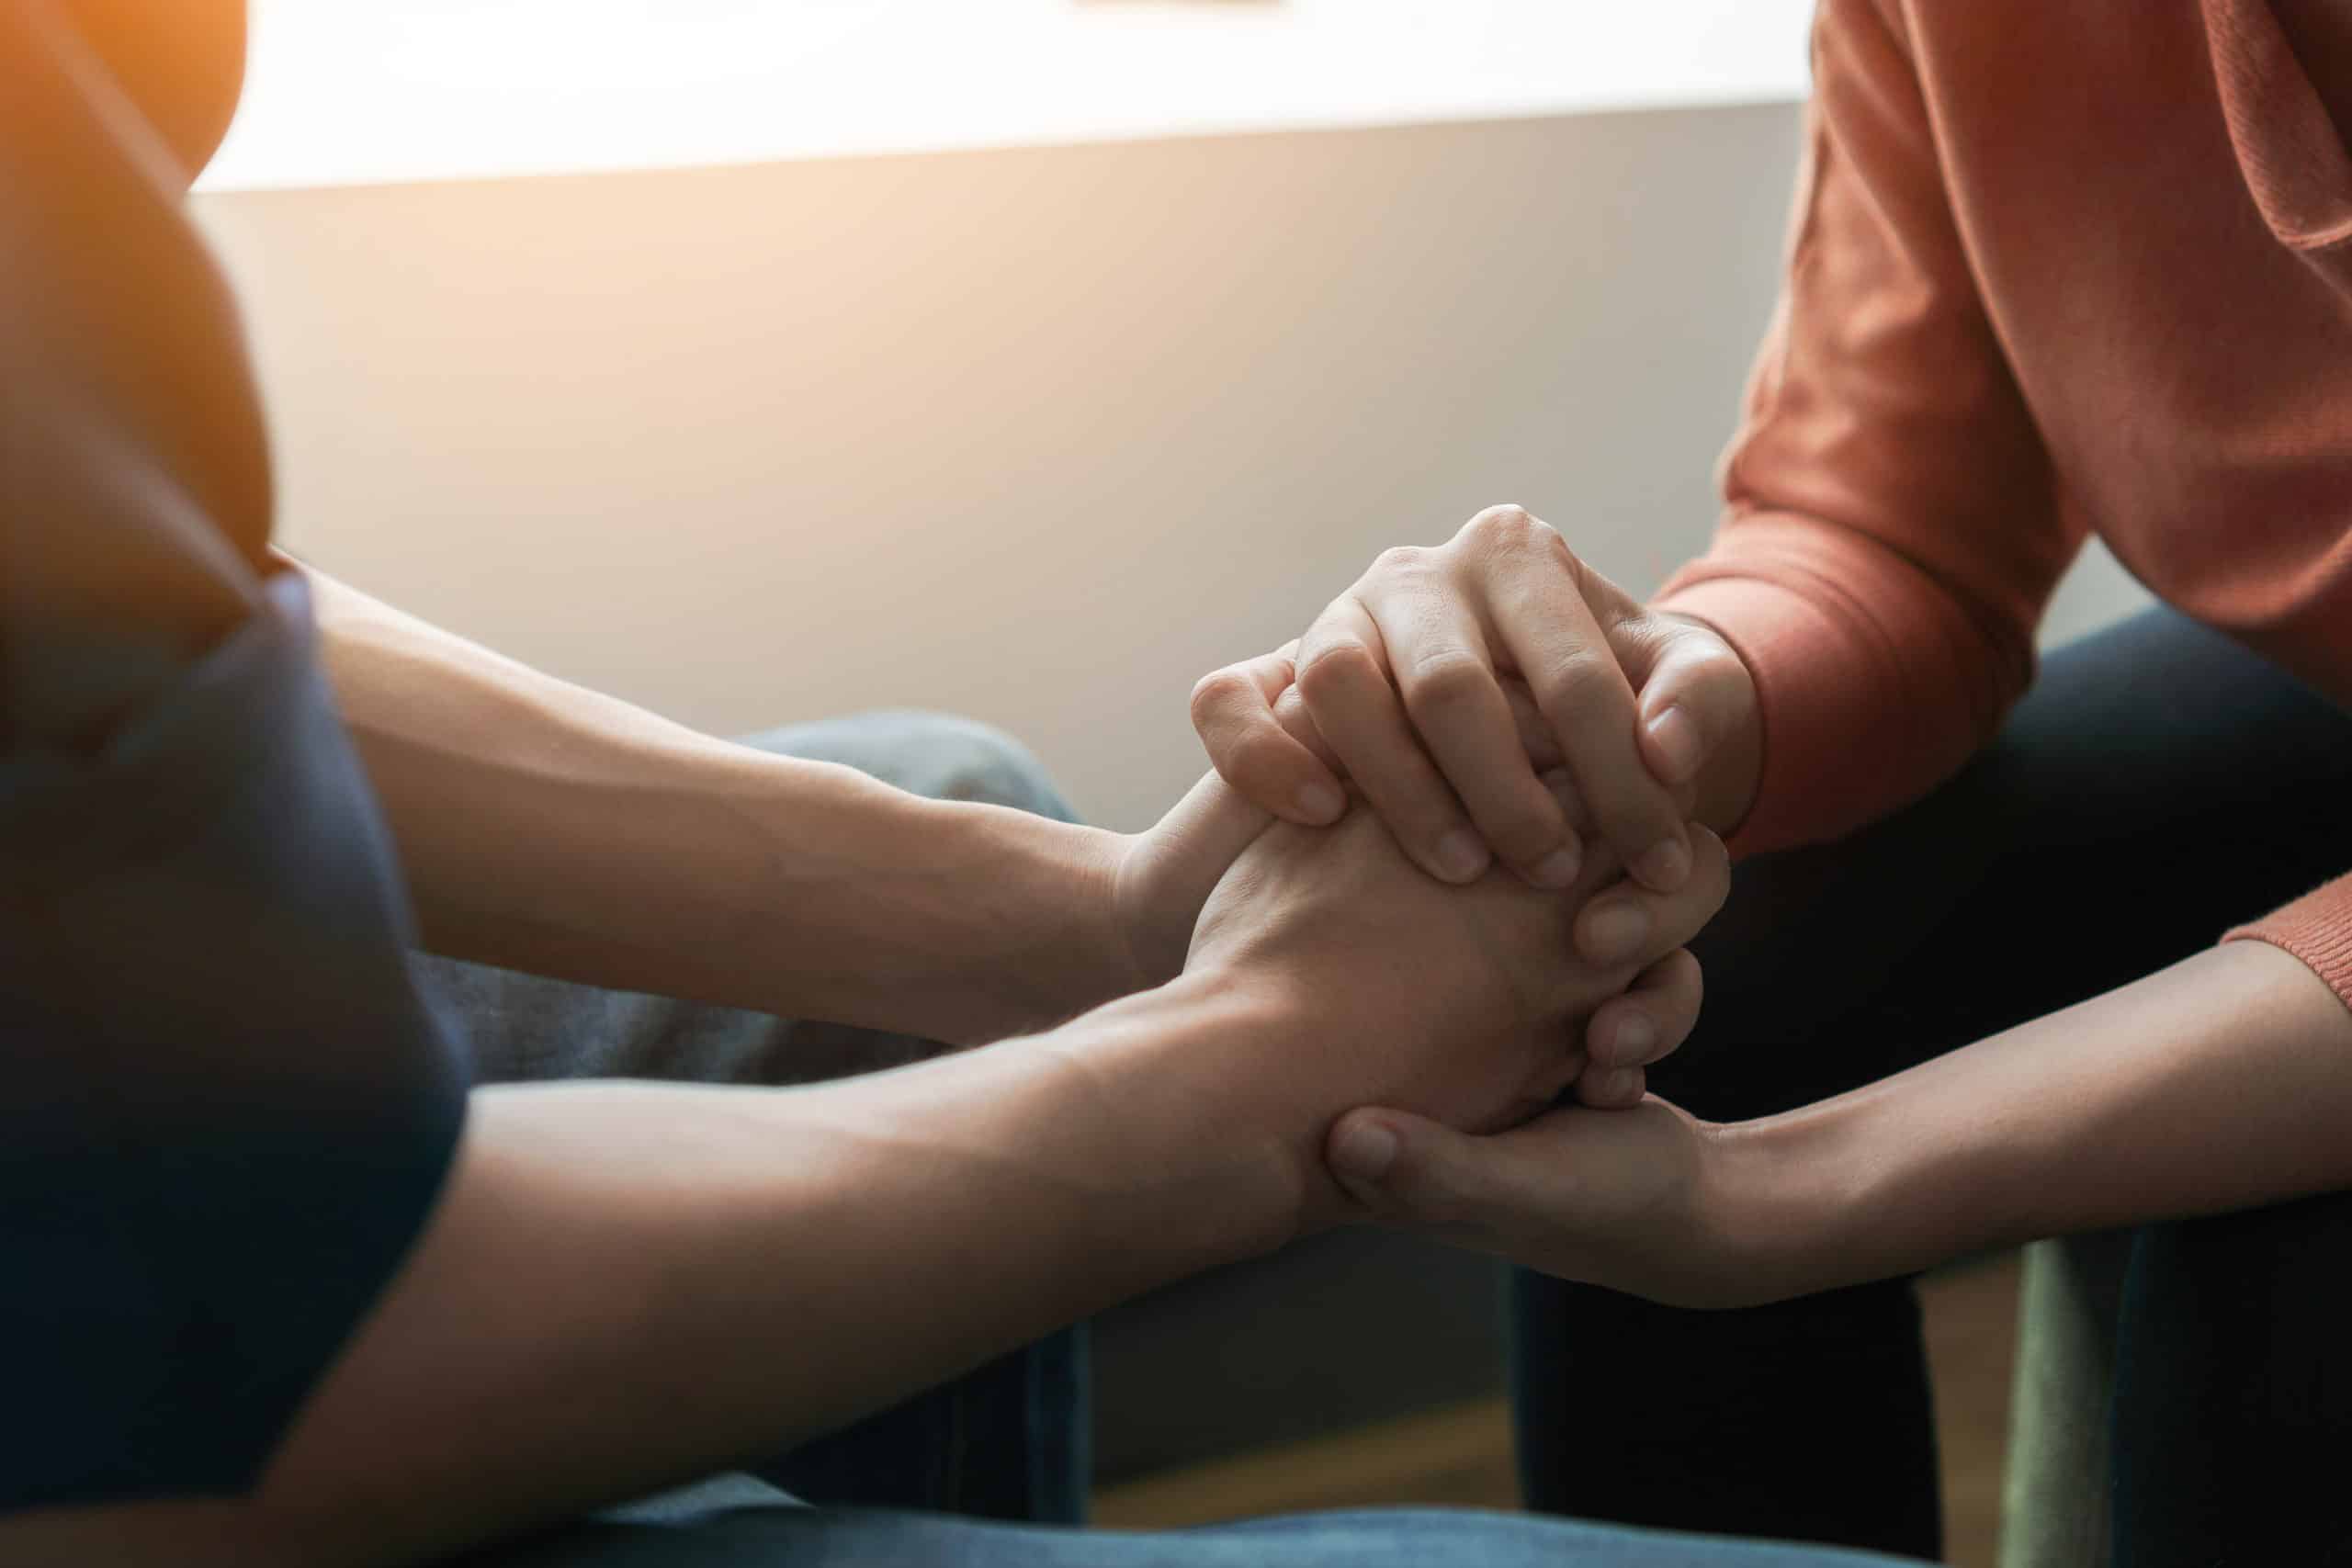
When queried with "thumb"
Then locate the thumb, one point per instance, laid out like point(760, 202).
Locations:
point(1165, 877)
point(1695, 696)
point(1206, 831)
point(1408, 1169)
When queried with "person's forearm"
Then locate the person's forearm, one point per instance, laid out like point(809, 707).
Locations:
point(628, 1286)
point(545, 827)
point(2222, 1082)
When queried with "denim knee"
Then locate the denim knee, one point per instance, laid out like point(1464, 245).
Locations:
point(940, 755)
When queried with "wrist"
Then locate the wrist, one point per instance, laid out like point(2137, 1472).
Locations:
point(1778, 1196)
point(1090, 958)
point(1856, 1188)
point(1039, 911)
point(1203, 1073)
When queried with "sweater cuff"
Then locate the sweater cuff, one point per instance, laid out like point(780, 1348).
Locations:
point(1816, 683)
point(1874, 683)
point(2317, 929)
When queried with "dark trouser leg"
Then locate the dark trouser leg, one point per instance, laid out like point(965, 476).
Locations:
point(1008, 1440)
point(2233, 1417)
point(2157, 785)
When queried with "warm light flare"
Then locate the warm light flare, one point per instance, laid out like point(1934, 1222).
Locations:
point(343, 92)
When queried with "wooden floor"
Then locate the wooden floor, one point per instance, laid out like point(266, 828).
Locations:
point(1461, 1455)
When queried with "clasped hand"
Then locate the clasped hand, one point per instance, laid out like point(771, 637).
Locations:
point(1495, 700)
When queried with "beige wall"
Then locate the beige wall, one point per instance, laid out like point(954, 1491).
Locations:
point(1035, 435)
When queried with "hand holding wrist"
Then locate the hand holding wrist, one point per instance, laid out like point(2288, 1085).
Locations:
point(1649, 1200)
point(2219, 1082)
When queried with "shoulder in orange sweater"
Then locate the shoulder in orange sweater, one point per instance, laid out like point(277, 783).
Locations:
point(2054, 270)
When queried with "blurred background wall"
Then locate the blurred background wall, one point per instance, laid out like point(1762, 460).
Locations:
point(1038, 435)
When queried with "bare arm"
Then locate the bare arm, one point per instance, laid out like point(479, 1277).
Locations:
point(2222, 1082)
point(547, 827)
point(626, 1285)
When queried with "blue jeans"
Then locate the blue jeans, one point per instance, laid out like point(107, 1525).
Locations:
point(1376, 1537)
point(1006, 1441)
point(992, 1469)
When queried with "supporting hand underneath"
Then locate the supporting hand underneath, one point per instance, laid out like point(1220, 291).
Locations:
point(1468, 1005)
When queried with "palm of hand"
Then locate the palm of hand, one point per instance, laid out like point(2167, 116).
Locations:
point(1627, 1199)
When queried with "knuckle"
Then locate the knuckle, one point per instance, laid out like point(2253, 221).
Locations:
point(1581, 686)
point(1399, 561)
point(1260, 756)
point(1334, 669)
point(1511, 529)
point(1218, 692)
point(1290, 713)
point(1506, 521)
point(1445, 680)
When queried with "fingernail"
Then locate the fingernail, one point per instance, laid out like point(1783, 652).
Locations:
point(1461, 854)
point(1363, 1151)
point(1557, 869)
point(1613, 932)
point(1629, 1043)
point(1675, 733)
point(1319, 803)
point(1665, 866)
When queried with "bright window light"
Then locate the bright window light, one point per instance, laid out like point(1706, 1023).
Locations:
point(343, 92)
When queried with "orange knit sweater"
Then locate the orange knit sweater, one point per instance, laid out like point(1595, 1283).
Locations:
point(2055, 270)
